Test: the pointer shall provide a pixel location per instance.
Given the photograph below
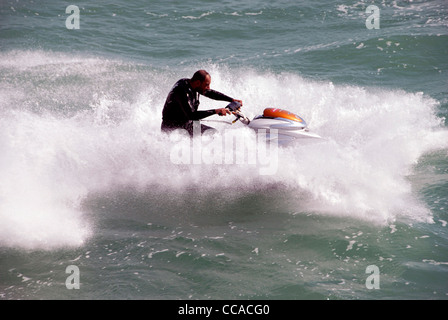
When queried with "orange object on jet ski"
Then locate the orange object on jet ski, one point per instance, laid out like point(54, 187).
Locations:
point(280, 113)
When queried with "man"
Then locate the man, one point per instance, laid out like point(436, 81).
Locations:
point(181, 106)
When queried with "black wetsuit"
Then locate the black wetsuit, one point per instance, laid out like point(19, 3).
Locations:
point(181, 107)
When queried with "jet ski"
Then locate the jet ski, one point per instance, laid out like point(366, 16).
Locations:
point(281, 126)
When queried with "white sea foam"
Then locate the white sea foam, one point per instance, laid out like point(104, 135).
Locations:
point(49, 163)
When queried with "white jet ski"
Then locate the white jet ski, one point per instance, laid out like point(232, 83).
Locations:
point(280, 125)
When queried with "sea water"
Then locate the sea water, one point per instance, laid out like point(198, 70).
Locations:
point(90, 194)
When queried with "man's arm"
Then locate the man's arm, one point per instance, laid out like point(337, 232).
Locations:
point(215, 95)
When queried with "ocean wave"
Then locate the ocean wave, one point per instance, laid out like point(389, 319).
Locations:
point(52, 160)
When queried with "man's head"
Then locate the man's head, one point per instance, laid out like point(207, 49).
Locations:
point(200, 81)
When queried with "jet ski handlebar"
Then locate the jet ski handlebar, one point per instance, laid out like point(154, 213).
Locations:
point(235, 108)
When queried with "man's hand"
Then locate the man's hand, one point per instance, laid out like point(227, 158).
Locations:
point(239, 101)
point(222, 111)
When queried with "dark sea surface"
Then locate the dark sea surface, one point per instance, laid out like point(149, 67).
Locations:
point(88, 180)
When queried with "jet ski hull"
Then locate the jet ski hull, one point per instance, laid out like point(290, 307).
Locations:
point(282, 129)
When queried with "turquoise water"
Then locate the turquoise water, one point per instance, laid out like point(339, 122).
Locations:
point(87, 178)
